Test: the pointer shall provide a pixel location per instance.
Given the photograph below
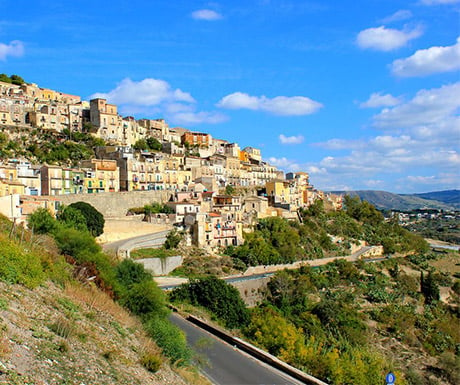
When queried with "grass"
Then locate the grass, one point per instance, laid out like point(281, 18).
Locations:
point(62, 327)
point(153, 253)
point(98, 301)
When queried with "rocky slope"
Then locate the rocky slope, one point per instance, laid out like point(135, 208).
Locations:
point(75, 335)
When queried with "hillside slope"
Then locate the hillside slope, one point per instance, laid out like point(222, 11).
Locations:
point(450, 197)
point(76, 335)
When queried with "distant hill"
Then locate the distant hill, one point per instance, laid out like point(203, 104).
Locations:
point(445, 200)
point(451, 197)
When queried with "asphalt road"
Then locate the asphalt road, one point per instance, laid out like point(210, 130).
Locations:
point(226, 365)
point(141, 241)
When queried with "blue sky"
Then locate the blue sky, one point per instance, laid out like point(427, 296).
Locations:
point(361, 94)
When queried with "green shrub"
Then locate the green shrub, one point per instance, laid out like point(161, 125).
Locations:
point(145, 298)
point(151, 362)
point(42, 222)
point(71, 217)
point(173, 239)
point(129, 272)
point(169, 338)
point(19, 266)
point(78, 244)
point(223, 300)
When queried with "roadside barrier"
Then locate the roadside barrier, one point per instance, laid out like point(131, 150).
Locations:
point(256, 352)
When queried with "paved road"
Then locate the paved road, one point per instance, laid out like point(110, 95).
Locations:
point(143, 241)
point(225, 365)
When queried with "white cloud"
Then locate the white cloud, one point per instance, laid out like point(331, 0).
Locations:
point(156, 96)
point(280, 105)
point(291, 139)
point(206, 14)
point(341, 144)
point(15, 49)
point(386, 39)
point(429, 61)
point(402, 14)
point(193, 118)
point(284, 164)
point(379, 100)
point(430, 109)
point(439, 2)
point(147, 92)
point(374, 184)
point(314, 170)
point(425, 146)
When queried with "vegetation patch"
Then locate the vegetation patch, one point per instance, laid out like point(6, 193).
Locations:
point(159, 252)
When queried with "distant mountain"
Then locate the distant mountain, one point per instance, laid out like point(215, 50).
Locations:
point(450, 197)
point(445, 200)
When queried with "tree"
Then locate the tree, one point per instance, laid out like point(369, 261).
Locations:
point(42, 222)
point(140, 145)
point(72, 217)
point(230, 190)
point(5, 78)
point(430, 288)
point(153, 144)
point(173, 239)
point(94, 219)
point(16, 79)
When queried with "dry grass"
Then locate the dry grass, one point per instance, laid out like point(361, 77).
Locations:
point(95, 299)
point(192, 376)
point(5, 347)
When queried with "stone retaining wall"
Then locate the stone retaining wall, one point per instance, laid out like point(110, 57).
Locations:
point(161, 266)
point(117, 204)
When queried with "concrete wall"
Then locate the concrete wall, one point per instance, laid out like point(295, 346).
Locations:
point(117, 204)
point(161, 266)
point(252, 291)
point(374, 251)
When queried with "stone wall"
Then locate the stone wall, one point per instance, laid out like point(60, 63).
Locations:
point(117, 204)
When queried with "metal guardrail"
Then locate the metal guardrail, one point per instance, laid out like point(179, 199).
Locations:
point(255, 352)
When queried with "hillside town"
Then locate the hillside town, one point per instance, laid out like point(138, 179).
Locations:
point(213, 185)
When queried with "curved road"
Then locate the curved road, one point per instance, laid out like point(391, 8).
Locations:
point(226, 365)
point(124, 246)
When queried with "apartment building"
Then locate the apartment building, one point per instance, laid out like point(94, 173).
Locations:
point(108, 123)
point(198, 139)
point(101, 175)
point(29, 176)
point(51, 180)
point(213, 230)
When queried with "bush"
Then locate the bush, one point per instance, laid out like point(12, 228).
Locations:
point(450, 364)
point(71, 217)
point(80, 245)
point(172, 239)
point(42, 222)
point(216, 295)
point(170, 338)
point(151, 362)
point(129, 272)
point(19, 266)
point(145, 299)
